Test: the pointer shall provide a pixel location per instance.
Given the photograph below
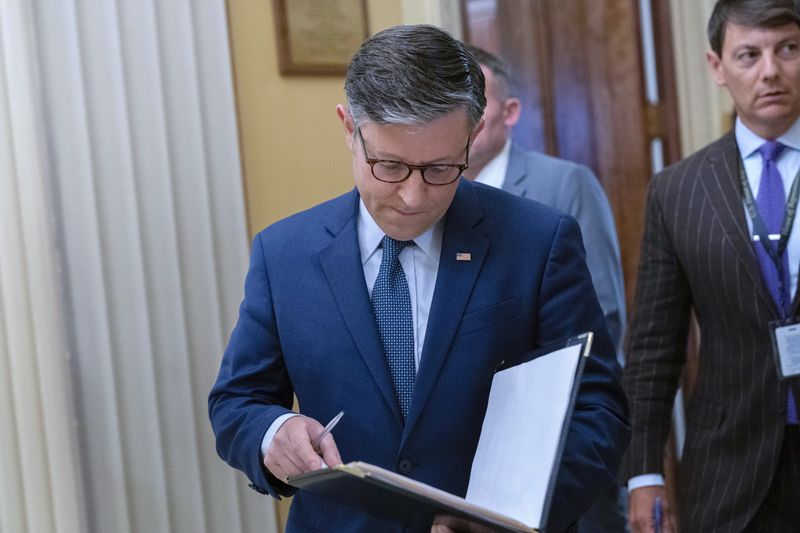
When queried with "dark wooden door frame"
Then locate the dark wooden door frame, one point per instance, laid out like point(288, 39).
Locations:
point(584, 57)
point(581, 74)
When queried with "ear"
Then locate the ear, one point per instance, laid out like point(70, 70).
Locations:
point(715, 67)
point(347, 123)
point(512, 108)
point(477, 130)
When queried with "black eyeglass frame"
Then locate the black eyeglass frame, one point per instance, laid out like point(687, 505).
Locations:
point(411, 168)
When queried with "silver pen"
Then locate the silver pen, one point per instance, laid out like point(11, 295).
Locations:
point(318, 439)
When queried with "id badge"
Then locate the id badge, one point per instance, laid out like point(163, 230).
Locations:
point(786, 340)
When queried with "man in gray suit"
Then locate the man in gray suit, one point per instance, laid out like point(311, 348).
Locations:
point(573, 188)
point(719, 238)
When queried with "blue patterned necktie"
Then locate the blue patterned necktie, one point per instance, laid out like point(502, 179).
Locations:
point(391, 302)
point(771, 202)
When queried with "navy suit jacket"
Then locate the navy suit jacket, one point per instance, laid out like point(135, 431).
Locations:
point(306, 327)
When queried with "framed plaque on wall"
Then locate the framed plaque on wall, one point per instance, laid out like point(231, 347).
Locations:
point(318, 36)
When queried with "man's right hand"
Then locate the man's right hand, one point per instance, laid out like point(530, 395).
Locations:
point(290, 452)
point(641, 505)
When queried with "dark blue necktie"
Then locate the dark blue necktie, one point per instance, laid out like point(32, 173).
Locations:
point(392, 305)
point(771, 202)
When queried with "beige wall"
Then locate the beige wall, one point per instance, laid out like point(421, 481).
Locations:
point(293, 150)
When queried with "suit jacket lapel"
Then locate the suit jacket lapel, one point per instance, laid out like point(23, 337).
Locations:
point(341, 262)
point(454, 283)
point(724, 191)
point(516, 172)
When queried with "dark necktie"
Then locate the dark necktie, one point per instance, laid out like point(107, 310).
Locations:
point(392, 305)
point(771, 202)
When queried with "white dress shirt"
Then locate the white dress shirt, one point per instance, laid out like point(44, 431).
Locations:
point(420, 264)
point(788, 164)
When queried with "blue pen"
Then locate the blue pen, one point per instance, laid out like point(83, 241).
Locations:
point(657, 515)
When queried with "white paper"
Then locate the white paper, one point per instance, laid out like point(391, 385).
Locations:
point(520, 436)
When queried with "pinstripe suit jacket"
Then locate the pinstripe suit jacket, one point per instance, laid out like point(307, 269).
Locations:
point(696, 253)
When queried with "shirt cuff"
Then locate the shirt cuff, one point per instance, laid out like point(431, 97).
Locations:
point(273, 429)
point(645, 480)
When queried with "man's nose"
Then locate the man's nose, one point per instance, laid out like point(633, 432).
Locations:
point(412, 189)
point(770, 67)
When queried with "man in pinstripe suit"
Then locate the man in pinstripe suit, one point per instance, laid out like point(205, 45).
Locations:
point(740, 468)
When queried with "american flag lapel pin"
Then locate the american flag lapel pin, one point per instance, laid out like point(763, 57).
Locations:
point(463, 256)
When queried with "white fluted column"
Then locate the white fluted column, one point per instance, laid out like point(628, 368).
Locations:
point(443, 13)
point(123, 247)
point(142, 138)
point(40, 485)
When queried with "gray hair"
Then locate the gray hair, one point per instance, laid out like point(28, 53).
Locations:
point(413, 75)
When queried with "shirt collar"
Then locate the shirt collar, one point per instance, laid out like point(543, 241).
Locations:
point(370, 236)
point(748, 142)
point(494, 173)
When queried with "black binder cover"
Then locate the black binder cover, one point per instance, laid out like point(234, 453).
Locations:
point(380, 493)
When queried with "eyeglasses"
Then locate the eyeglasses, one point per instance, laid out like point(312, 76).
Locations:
point(391, 171)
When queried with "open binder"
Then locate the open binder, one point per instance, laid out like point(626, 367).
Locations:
point(504, 493)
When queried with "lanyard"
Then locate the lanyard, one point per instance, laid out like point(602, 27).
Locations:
point(774, 253)
point(758, 223)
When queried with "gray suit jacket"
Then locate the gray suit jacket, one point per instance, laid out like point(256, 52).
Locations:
point(574, 189)
point(697, 253)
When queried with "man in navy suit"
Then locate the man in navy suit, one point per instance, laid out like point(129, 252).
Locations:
point(481, 276)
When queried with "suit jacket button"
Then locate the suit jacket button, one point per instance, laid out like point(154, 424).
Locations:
point(405, 466)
